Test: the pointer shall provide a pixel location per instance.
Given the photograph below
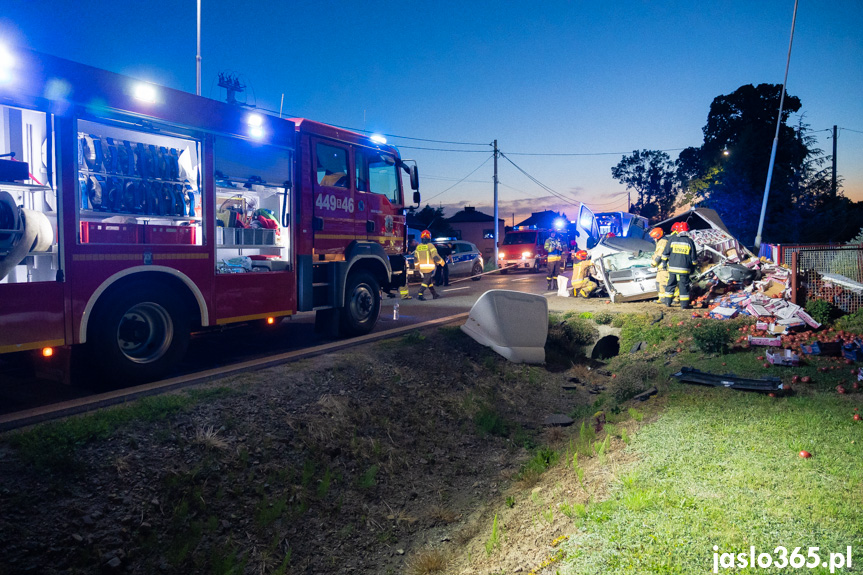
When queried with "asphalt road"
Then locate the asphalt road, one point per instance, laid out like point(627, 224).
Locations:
point(24, 384)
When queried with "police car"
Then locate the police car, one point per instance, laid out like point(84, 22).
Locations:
point(464, 258)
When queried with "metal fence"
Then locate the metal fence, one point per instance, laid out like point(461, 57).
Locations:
point(829, 273)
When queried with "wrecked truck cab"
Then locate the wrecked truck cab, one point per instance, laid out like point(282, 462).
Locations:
point(623, 267)
point(627, 276)
point(631, 278)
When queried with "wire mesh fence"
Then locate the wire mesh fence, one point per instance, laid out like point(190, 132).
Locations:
point(829, 273)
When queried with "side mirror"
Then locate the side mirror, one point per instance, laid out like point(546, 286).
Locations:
point(415, 181)
point(417, 198)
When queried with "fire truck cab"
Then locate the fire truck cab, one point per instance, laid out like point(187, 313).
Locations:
point(132, 215)
point(523, 248)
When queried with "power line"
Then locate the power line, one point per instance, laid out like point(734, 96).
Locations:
point(518, 190)
point(850, 130)
point(442, 149)
point(415, 139)
point(540, 184)
point(605, 207)
point(460, 181)
point(612, 202)
point(446, 179)
point(586, 153)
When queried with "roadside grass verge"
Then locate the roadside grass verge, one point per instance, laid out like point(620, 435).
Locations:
point(722, 468)
point(52, 446)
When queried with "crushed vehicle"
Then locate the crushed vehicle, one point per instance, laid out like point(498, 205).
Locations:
point(624, 264)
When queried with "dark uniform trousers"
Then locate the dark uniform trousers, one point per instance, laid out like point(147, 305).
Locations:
point(680, 258)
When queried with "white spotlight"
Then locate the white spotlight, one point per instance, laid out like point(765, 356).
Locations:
point(145, 93)
point(255, 120)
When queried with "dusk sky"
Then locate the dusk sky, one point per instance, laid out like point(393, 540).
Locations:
point(597, 79)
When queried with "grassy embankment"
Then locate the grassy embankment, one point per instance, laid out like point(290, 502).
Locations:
point(719, 467)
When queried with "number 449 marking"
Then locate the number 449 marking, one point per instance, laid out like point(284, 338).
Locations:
point(332, 203)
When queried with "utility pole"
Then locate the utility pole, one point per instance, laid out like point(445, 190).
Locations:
point(496, 226)
point(834, 160)
point(776, 137)
point(198, 55)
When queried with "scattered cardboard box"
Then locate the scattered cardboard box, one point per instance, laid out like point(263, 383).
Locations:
point(784, 357)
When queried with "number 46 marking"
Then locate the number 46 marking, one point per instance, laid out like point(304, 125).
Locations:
point(332, 203)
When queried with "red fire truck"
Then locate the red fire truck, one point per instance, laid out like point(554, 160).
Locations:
point(132, 214)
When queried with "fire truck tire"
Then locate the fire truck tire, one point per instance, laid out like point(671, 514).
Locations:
point(138, 334)
point(362, 304)
point(504, 271)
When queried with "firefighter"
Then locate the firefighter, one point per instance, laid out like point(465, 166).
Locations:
point(661, 272)
point(582, 284)
point(427, 258)
point(554, 250)
point(680, 257)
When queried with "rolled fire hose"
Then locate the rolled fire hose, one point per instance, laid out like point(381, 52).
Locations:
point(37, 234)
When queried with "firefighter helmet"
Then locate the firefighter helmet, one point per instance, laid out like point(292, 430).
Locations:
point(682, 227)
point(656, 233)
point(581, 255)
point(425, 234)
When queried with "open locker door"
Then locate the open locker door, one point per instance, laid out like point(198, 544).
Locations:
point(586, 229)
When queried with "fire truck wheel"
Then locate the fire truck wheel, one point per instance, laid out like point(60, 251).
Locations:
point(504, 271)
point(139, 334)
point(362, 304)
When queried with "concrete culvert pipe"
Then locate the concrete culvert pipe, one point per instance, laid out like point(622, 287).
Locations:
point(607, 344)
point(606, 347)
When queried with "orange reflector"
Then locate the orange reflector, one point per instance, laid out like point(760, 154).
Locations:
point(47, 351)
point(271, 320)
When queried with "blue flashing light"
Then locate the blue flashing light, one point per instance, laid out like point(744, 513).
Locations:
point(377, 138)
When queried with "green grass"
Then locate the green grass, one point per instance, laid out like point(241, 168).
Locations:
point(490, 423)
point(494, 538)
point(369, 478)
point(722, 468)
point(53, 446)
point(544, 458)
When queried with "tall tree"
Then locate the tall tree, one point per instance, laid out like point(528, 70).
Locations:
point(433, 219)
point(744, 124)
point(729, 171)
point(651, 174)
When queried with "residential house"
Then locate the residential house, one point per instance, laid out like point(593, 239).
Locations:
point(478, 228)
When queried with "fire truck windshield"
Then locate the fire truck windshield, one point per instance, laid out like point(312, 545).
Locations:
point(517, 238)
